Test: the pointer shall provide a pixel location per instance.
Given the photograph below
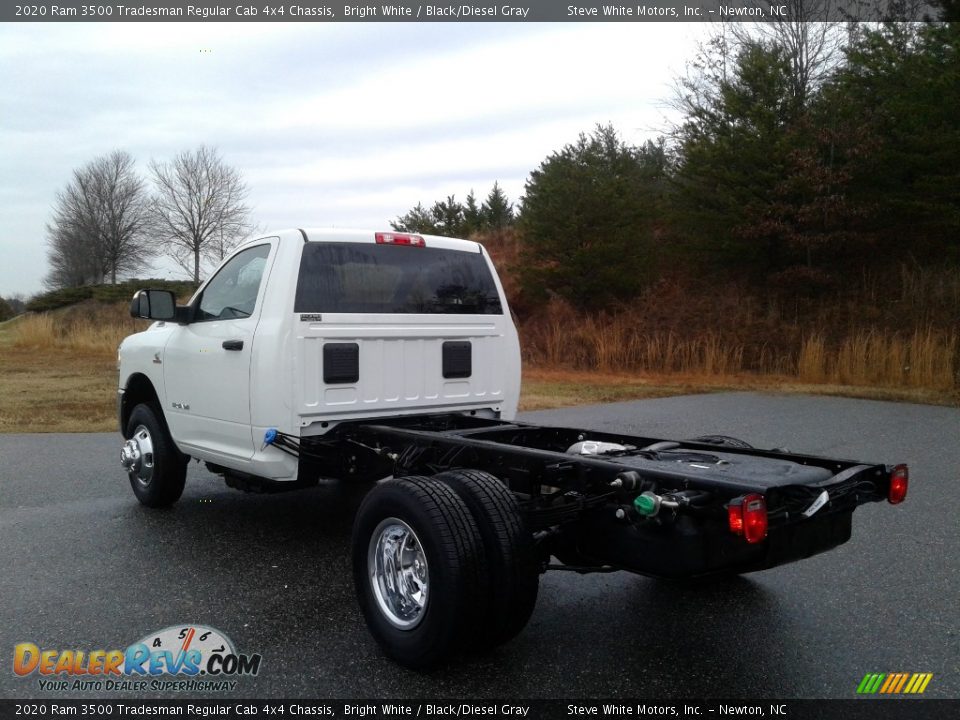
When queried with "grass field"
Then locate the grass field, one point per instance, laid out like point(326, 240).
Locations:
point(544, 388)
point(54, 388)
point(58, 373)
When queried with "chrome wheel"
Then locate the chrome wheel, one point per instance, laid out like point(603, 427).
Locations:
point(136, 456)
point(398, 572)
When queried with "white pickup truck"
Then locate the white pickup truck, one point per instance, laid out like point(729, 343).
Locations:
point(357, 355)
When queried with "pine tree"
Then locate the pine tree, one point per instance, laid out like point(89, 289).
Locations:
point(472, 215)
point(418, 220)
point(496, 211)
point(588, 219)
point(448, 217)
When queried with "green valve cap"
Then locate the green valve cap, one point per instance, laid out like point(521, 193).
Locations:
point(646, 504)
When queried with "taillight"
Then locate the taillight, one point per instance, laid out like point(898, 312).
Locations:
point(747, 516)
point(754, 518)
point(899, 480)
point(735, 519)
point(384, 238)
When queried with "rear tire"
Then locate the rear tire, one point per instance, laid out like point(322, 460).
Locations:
point(156, 468)
point(418, 569)
point(514, 576)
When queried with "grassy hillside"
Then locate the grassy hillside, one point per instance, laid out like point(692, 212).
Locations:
point(58, 370)
point(123, 291)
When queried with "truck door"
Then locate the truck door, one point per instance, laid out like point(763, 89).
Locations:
point(207, 363)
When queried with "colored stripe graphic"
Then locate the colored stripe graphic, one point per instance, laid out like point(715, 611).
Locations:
point(919, 683)
point(903, 680)
point(870, 683)
point(894, 683)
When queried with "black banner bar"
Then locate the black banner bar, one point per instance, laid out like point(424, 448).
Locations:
point(491, 11)
point(856, 709)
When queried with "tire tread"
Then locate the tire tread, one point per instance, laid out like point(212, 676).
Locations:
point(452, 533)
point(513, 571)
point(170, 465)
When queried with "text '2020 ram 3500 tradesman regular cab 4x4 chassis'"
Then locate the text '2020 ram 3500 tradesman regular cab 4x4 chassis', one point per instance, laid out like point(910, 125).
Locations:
point(363, 355)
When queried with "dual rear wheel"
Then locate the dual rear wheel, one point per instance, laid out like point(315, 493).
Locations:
point(443, 565)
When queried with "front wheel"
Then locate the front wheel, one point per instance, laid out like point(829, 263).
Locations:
point(157, 470)
point(418, 568)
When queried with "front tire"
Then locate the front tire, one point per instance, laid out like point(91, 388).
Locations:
point(418, 568)
point(157, 470)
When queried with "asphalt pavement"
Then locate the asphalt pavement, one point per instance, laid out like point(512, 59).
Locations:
point(84, 566)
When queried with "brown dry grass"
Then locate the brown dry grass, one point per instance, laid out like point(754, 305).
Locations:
point(88, 328)
point(544, 389)
point(925, 359)
point(58, 370)
point(56, 392)
point(547, 389)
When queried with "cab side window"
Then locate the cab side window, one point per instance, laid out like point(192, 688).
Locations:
point(232, 293)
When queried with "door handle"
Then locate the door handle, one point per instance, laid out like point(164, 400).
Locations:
point(233, 345)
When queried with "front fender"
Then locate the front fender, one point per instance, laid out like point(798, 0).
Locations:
point(140, 364)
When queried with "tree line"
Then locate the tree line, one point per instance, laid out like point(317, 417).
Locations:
point(804, 155)
point(109, 221)
point(10, 307)
point(452, 218)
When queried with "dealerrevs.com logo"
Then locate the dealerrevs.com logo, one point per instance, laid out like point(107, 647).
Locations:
point(180, 658)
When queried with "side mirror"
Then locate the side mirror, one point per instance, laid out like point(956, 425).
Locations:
point(153, 305)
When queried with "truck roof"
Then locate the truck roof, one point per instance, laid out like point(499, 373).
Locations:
point(369, 236)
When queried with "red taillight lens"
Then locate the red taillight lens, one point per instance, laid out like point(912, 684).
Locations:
point(384, 238)
point(754, 518)
point(747, 516)
point(735, 518)
point(899, 480)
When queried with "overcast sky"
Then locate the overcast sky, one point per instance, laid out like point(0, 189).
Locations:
point(345, 125)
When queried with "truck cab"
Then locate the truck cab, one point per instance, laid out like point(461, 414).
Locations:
point(301, 330)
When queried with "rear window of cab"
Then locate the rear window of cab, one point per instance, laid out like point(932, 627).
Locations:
point(343, 277)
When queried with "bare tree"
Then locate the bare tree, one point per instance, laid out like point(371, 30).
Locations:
point(811, 38)
point(17, 302)
point(221, 245)
point(6, 311)
point(71, 259)
point(99, 223)
point(199, 209)
point(697, 96)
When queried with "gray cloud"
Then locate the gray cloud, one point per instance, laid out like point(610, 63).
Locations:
point(330, 124)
